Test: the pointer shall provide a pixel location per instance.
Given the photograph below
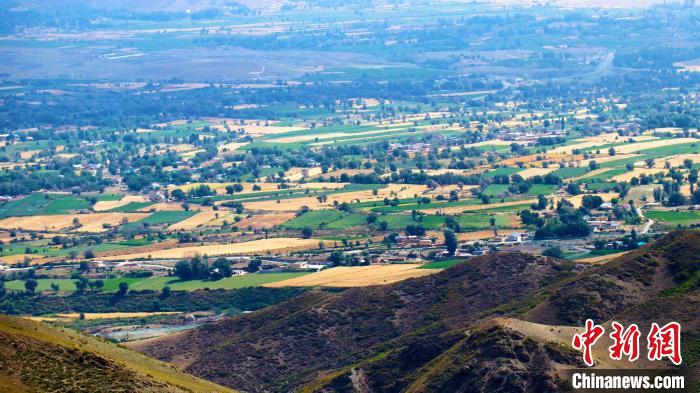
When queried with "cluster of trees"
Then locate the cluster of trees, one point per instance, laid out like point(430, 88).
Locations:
point(569, 223)
point(198, 268)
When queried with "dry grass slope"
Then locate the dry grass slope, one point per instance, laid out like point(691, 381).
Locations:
point(39, 357)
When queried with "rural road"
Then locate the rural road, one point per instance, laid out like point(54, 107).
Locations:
point(647, 225)
point(601, 69)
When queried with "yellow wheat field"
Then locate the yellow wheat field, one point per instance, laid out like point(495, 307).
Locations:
point(281, 244)
point(577, 200)
point(482, 235)
point(296, 174)
point(197, 220)
point(532, 172)
point(162, 206)
point(89, 222)
point(355, 276)
point(12, 259)
point(493, 142)
point(635, 147)
point(601, 258)
point(599, 140)
point(636, 172)
point(259, 128)
point(231, 146)
point(109, 205)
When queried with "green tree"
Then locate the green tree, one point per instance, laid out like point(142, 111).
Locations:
point(30, 285)
point(81, 284)
point(221, 268)
point(307, 232)
point(254, 265)
point(451, 242)
point(123, 288)
point(553, 251)
point(165, 292)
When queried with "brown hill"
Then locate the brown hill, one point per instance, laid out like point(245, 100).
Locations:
point(37, 357)
point(441, 332)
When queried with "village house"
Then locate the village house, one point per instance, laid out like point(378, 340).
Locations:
point(415, 241)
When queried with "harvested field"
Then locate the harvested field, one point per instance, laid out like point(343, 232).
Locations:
point(482, 235)
point(577, 200)
point(635, 147)
point(220, 188)
point(532, 172)
point(685, 190)
point(164, 245)
point(109, 205)
point(400, 191)
point(556, 157)
point(25, 155)
point(350, 172)
point(493, 142)
point(163, 206)
point(296, 174)
point(264, 220)
point(355, 276)
point(251, 247)
point(258, 129)
point(636, 172)
point(197, 220)
point(599, 140)
point(601, 258)
point(90, 222)
point(12, 259)
point(231, 146)
point(637, 193)
point(607, 158)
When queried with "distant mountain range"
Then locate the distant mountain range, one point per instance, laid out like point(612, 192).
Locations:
point(497, 323)
point(143, 6)
point(199, 5)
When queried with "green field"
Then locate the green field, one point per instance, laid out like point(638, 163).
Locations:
point(131, 207)
point(570, 172)
point(107, 197)
point(157, 283)
point(38, 204)
point(500, 171)
point(672, 218)
point(496, 189)
point(349, 221)
point(314, 219)
point(441, 264)
point(167, 217)
point(542, 189)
